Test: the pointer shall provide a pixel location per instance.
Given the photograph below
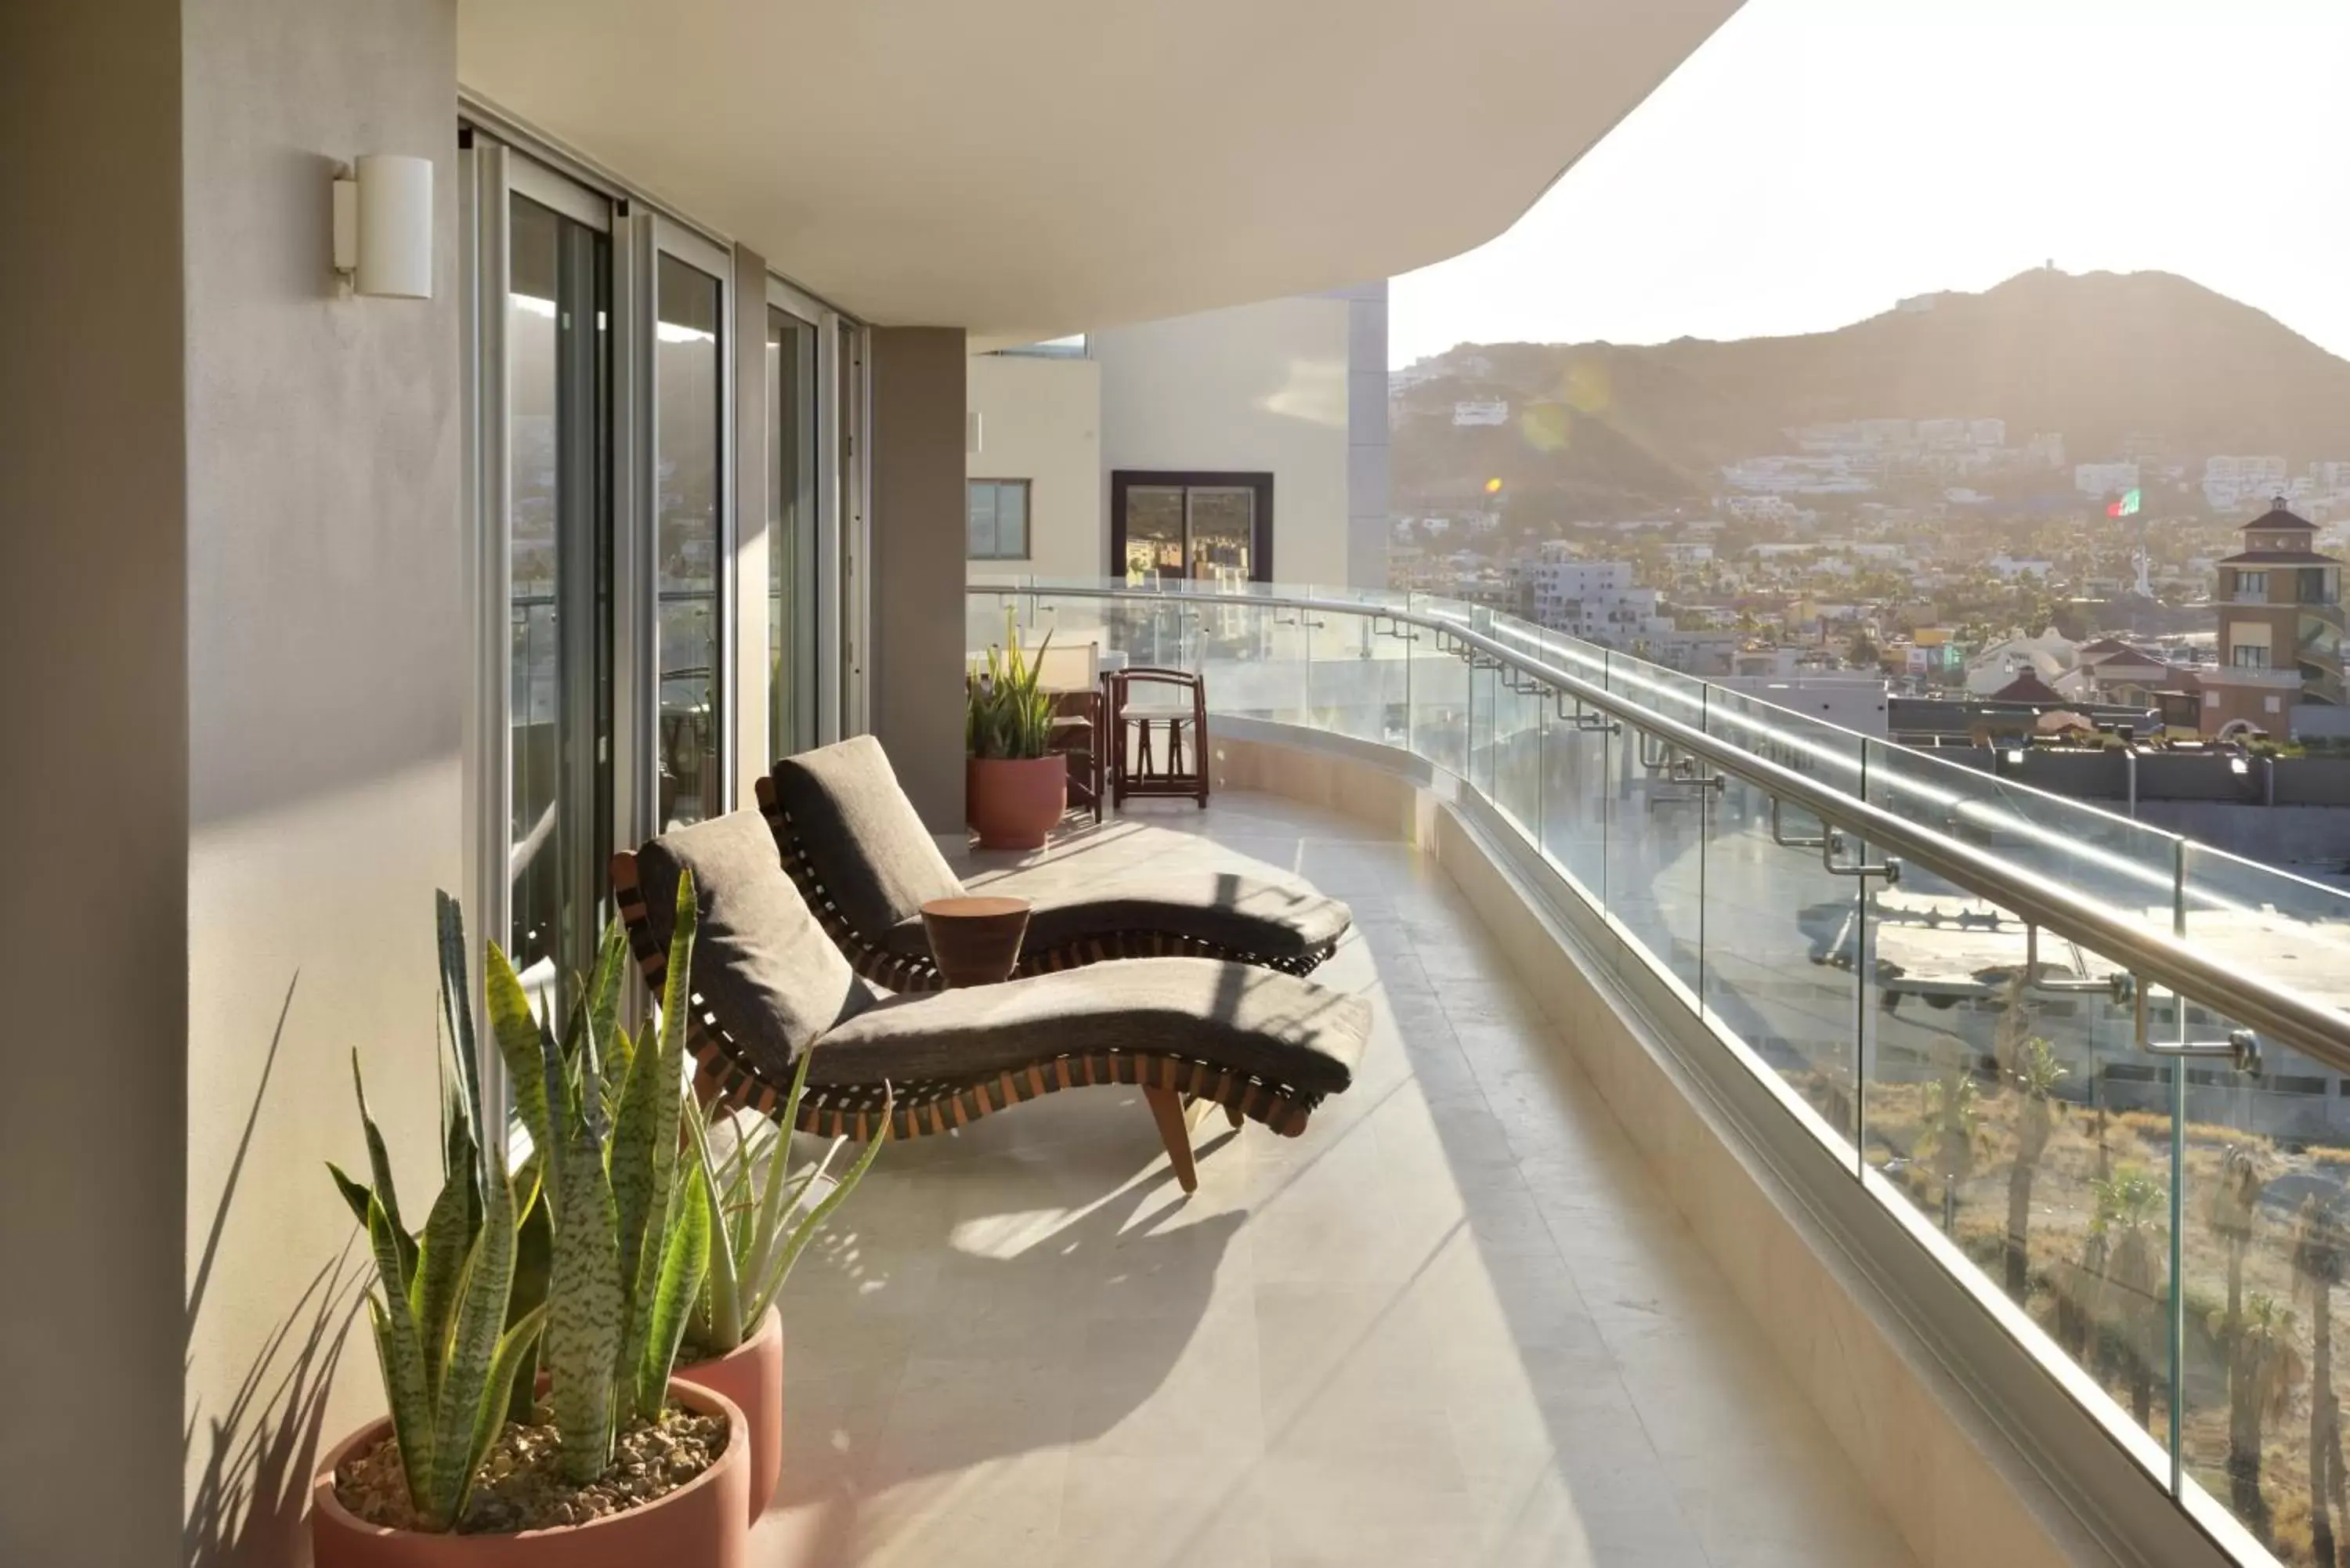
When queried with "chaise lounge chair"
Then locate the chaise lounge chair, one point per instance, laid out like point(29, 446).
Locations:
point(769, 985)
point(866, 864)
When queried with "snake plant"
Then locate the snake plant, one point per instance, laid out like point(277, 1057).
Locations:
point(754, 1197)
point(631, 1235)
point(1004, 714)
point(445, 1337)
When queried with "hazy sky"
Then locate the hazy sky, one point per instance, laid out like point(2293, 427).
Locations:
point(1818, 159)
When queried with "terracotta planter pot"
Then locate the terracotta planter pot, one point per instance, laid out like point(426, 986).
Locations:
point(706, 1521)
point(1015, 803)
point(752, 1376)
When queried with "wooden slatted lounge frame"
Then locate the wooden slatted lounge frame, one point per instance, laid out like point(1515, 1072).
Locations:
point(908, 971)
point(724, 1074)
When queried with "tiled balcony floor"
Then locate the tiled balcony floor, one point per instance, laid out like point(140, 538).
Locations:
point(1454, 1323)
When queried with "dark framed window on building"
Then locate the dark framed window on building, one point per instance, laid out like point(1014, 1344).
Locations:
point(995, 514)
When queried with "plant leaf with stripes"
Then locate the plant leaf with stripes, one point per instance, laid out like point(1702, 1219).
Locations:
point(604, 986)
point(355, 1193)
point(406, 1389)
point(480, 1322)
point(534, 1265)
point(380, 1170)
point(521, 1045)
point(517, 1350)
point(457, 1006)
point(587, 1316)
point(719, 1317)
point(685, 1258)
point(448, 1241)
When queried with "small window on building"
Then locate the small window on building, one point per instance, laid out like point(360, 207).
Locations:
point(2210, 698)
point(996, 519)
point(2249, 656)
point(2272, 704)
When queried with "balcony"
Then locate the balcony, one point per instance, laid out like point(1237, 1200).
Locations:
point(1459, 1322)
point(2063, 1089)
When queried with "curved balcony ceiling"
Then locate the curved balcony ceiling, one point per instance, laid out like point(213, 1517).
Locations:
point(1028, 168)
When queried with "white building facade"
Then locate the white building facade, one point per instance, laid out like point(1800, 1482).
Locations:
point(1244, 445)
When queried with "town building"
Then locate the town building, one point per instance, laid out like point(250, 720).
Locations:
point(2281, 624)
point(1594, 600)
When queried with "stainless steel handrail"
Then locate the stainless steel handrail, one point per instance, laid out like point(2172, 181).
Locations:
point(2287, 1017)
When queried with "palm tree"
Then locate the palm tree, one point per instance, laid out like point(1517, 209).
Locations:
point(2232, 1213)
point(2321, 1245)
point(2130, 1204)
point(1946, 1143)
point(2264, 1367)
point(2035, 1076)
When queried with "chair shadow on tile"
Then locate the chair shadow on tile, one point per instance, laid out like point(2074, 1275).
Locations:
point(939, 1341)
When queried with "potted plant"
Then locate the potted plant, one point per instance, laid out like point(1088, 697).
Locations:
point(618, 1464)
point(1016, 787)
point(763, 1215)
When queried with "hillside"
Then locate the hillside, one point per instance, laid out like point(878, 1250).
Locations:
point(2100, 357)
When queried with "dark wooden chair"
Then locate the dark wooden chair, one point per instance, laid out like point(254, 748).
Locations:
point(1159, 734)
point(866, 864)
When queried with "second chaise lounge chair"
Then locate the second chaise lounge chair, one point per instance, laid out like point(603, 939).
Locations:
point(769, 984)
point(866, 864)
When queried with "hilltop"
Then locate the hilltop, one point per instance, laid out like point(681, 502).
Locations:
point(2106, 358)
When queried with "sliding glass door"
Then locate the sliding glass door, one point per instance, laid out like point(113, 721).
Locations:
point(622, 610)
point(792, 523)
point(690, 534)
point(557, 419)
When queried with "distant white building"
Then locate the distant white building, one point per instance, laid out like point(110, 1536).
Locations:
point(1482, 412)
point(1987, 432)
point(2104, 478)
point(2231, 483)
point(1594, 600)
point(2009, 568)
point(1762, 508)
point(1834, 474)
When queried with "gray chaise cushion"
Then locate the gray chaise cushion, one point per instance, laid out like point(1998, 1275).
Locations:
point(862, 836)
point(1237, 914)
point(1274, 1026)
point(761, 962)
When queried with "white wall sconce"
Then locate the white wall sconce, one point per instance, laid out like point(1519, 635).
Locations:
point(383, 226)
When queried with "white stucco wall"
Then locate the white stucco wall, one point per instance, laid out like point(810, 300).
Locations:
point(1257, 389)
point(1040, 419)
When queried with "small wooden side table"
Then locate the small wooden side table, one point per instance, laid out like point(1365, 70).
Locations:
point(975, 940)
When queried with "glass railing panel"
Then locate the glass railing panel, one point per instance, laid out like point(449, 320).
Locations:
point(1355, 674)
point(2097, 854)
point(2265, 1245)
point(2291, 930)
point(2004, 1103)
point(1519, 702)
point(1439, 694)
point(1783, 932)
point(1577, 765)
point(1657, 829)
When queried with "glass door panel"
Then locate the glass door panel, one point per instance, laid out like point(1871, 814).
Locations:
point(559, 603)
point(791, 532)
point(1221, 523)
point(1154, 532)
point(689, 461)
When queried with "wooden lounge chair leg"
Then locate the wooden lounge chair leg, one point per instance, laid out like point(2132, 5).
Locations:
point(1167, 1110)
point(1232, 1115)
